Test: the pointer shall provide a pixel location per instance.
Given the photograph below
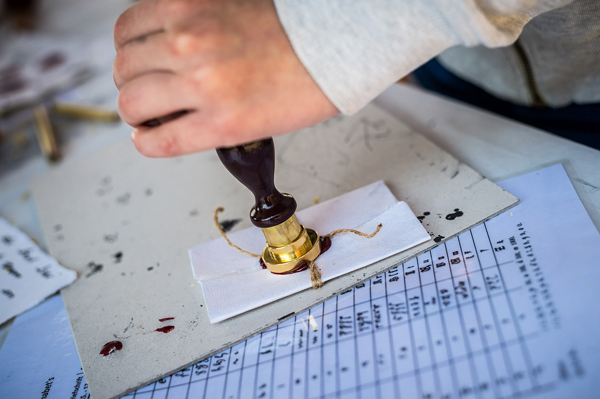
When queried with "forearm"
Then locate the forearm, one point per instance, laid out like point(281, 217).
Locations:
point(356, 49)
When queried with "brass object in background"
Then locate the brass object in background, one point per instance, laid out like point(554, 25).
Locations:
point(86, 112)
point(45, 134)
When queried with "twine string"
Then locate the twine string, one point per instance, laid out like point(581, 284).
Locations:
point(315, 273)
point(357, 232)
point(232, 245)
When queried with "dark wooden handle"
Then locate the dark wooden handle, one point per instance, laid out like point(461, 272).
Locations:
point(253, 164)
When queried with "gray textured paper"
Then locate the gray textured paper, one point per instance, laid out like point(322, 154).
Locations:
point(127, 222)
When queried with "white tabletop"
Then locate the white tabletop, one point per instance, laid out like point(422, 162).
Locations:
point(495, 146)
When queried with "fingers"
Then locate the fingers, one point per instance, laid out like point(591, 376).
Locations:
point(137, 58)
point(137, 21)
point(155, 95)
point(189, 133)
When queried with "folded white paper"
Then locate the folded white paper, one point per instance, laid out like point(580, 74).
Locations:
point(234, 283)
point(27, 275)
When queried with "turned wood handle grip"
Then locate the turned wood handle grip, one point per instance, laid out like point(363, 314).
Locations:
point(253, 164)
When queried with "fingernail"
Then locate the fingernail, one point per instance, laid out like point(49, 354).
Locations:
point(133, 133)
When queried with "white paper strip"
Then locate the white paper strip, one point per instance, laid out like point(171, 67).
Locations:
point(234, 283)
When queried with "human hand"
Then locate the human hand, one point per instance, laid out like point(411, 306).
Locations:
point(228, 63)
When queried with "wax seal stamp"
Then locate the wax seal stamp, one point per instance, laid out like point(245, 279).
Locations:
point(289, 244)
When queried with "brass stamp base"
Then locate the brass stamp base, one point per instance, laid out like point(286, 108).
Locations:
point(285, 260)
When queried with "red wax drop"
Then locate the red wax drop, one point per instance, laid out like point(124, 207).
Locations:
point(325, 244)
point(166, 318)
point(262, 263)
point(166, 329)
point(302, 267)
point(110, 347)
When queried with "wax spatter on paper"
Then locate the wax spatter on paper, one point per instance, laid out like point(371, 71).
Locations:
point(439, 238)
point(105, 186)
point(118, 257)
point(57, 228)
point(111, 238)
point(128, 327)
point(166, 329)
point(124, 199)
point(423, 216)
point(457, 213)
point(166, 318)
point(229, 224)
point(93, 268)
point(150, 268)
point(110, 347)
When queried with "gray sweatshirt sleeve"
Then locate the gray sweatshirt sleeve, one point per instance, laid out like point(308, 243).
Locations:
point(355, 49)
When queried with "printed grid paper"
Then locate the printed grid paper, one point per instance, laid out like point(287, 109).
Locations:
point(478, 316)
point(27, 274)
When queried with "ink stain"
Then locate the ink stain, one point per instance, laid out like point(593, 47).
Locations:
point(166, 329)
point(229, 224)
point(438, 238)
point(421, 218)
point(58, 227)
point(106, 188)
point(93, 269)
point(150, 268)
point(457, 213)
point(166, 318)
point(110, 347)
point(149, 192)
point(124, 199)
point(194, 212)
point(118, 257)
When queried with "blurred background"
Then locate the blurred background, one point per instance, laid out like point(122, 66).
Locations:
point(57, 96)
